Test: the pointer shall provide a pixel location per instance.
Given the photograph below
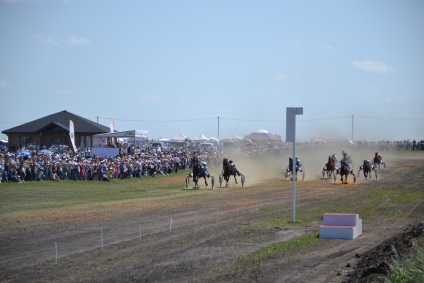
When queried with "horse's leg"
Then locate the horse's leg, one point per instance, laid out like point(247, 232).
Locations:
point(195, 180)
point(206, 181)
point(235, 178)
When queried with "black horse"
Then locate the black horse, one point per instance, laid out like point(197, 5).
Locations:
point(330, 167)
point(367, 167)
point(289, 169)
point(344, 172)
point(228, 170)
point(378, 160)
point(197, 172)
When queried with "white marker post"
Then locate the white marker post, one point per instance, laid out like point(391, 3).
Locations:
point(291, 113)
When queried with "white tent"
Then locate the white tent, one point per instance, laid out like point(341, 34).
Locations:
point(180, 137)
point(212, 139)
point(201, 138)
point(125, 134)
point(99, 142)
point(235, 138)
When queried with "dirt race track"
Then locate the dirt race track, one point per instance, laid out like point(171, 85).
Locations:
point(199, 236)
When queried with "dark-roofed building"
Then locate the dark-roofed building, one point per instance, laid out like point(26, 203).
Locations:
point(54, 129)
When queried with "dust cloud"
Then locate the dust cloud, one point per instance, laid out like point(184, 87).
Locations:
point(313, 158)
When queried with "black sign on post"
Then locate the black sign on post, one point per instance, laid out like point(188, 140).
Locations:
point(291, 113)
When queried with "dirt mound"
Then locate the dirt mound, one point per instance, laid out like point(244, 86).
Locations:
point(375, 263)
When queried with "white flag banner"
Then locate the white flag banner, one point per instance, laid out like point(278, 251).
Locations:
point(72, 134)
point(111, 125)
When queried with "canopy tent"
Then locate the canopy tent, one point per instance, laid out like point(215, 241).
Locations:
point(212, 139)
point(125, 134)
point(180, 137)
point(113, 151)
point(235, 138)
point(262, 135)
point(201, 138)
point(319, 140)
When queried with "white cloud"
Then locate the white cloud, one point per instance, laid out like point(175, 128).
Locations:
point(64, 92)
point(4, 83)
point(297, 43)
point(394, 98)
point(77, 40)
point(46, 40)
point(29, 1)
point(18, 1)
point(52, 41)
point(224, 110)
point(280, 78)
point(373, 67)
point(328, 46)
point(375, 97)
point(151, 98)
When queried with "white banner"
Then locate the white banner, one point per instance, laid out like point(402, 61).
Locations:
point(72, 134)
point(111, 125)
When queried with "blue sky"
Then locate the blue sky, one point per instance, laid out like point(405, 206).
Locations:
point(173, 67)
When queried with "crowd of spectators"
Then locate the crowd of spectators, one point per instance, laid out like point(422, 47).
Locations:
point(61, 163)
point(64, 164)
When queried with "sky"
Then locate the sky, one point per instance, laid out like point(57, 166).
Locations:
point(217, 68)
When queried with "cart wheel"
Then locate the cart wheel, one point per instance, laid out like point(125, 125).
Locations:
point(354, 179)
point(220, 180)
point(376, 175)
point(213, 181)
point(323, 173)
point(334, 177)
point(187, 181)
point(243, 179)
point(303, 175)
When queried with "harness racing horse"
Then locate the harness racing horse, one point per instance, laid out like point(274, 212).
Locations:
point(330, 167)
point(378, 160)
point(344, 171)
point(289, 170)
point(367, 167)
point(227, 171)
point(198, 172)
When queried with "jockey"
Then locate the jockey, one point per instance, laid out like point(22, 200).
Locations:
point(298, 164)
point(233, 165)
point(332, 159)
point(346, 157)
point(378, 158)
point(205, 168)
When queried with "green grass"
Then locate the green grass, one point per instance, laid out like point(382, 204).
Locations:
point(408, 270)
point(288, 247)
point(32, 196)
point(388, 204)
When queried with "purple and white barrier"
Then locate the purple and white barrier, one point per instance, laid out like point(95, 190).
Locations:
point(340, 226)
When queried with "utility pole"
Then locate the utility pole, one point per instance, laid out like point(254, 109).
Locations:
point(352, 127)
